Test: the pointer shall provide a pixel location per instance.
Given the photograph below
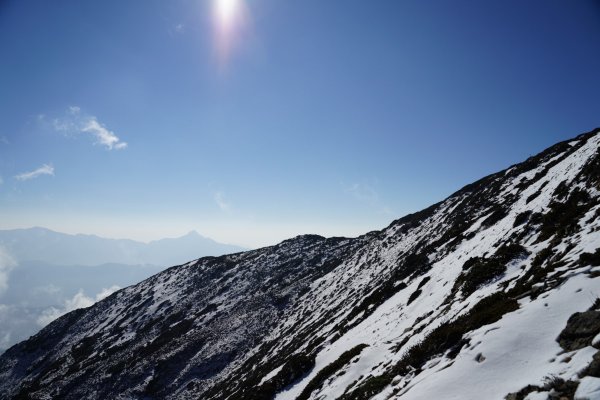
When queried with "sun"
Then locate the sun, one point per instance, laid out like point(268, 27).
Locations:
point(227, 11)
point(231, 19)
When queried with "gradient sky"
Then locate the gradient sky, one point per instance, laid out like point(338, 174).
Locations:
point(150, 118)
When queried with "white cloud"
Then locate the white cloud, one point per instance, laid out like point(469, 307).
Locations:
point(3, 140)
point(221, 201)
point(363, 192)
point(16, 324)
point(7, 324)
point(367, 194)
point(105, 292)
point(176, 29)
point(7, 263)
point(75, 121)
point(80, 300)
point(48, 316)
point(46, 169)
point(103, 136)
point(4, 340)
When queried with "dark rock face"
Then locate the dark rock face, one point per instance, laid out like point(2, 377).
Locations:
point(580, 330)
point(314, 314)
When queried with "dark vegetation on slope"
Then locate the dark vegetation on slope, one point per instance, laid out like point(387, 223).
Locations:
point(591, 171)
point(562, 218)
point(474, 197)
point(522, 218)
point(414, 295)
point(446, 337)
point(479, 271)
point(317, 382)
point(590, 258)
point(414, 264)
point(248, 386)
point(296, 368)
point(560, 389)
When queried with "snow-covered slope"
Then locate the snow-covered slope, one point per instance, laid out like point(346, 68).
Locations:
point(491, 294)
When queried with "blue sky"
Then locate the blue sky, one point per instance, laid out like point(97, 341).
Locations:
point(271, 118)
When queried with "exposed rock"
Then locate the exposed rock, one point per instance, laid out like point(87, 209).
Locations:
point(580, 330)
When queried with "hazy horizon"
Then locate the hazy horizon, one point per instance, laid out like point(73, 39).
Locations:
point(256, 121)
point(45, 274)
point(158, 238)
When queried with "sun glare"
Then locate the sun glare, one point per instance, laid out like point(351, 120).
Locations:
point(230, 21)
point(227, 11)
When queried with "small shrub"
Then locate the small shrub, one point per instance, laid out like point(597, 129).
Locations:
point(561, 191)
point(522, 218)
point(591, 171)
point(535, 274)
point(330, 370)
point(297, 366)
point(414, 295)
point(590, 258)
point(84, 348)
point(478, 271)
point(560, 388)
point(423, 282)
point(562, 218)
point(418, 292)
point(533, 197)
point(510, 252)
point(497, 214)
point(369, 388)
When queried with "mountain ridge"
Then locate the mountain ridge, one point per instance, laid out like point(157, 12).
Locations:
point(406, 312)
point(43, 244)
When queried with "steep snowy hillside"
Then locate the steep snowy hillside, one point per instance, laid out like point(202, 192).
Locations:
point(492, 293)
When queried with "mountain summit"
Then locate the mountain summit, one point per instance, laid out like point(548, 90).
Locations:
point(491, 293)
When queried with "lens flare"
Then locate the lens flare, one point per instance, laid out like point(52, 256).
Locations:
point(226, 11)
point(230, 19)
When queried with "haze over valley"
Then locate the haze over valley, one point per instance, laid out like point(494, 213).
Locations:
point(45, 274)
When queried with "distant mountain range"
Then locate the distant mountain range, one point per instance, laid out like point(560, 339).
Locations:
point(41, 244)
point(44, 274)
